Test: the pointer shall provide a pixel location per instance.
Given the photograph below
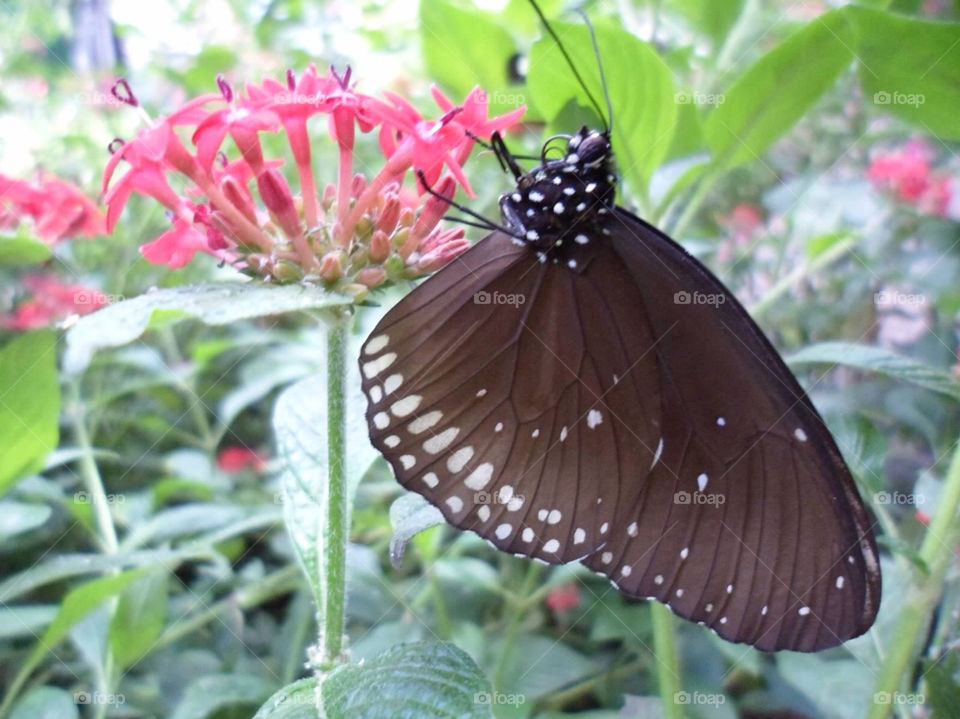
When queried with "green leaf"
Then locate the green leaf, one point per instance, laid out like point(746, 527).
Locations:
point(910, 67)
point(46, 703)
point(213, 304)
point(640, 85)
point(422, 679)
point(18, 517)
point(464, 47)
point(712, 18)
point(776, 90)
point(22, 248)
point(139, 618)
point(410, 514)
point(208, 694)
point(879, 360)
point(29, 405)
point(294, 701)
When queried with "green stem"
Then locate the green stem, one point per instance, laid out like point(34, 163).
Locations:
point(517, 611)
point(668, 664)
point(789, 281)
point(332, 549)
point(937, 552)
point(693, 206)
point(106, 530)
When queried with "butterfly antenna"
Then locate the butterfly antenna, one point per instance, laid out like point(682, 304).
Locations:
point(603, 75)
point(573, 67)
point(481, 220)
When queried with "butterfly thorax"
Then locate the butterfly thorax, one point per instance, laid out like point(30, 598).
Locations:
point(565, 204)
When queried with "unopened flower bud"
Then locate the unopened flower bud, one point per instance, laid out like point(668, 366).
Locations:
point(277, 197)
point(239, 197)
point(287, 271)
point(439, 237)
point(437, 258)
point(434, 209)
point(389, 215)
point(329, 196)
point(331, 267)
point(407, 217)
point(379, 246)
point(358, 185)
point(371, 276)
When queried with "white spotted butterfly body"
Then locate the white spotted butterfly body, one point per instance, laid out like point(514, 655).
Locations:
point(664, 444)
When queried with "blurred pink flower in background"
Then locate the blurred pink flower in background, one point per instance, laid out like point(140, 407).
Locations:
point(57, 208)
point(236, 459)
point(564, 597)
point(906, 173)
point(49, 301)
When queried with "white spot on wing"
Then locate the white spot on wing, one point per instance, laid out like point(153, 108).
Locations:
point(656, 455)
point(407, 460)
point(604, 527)
point(606, 557)
point(499, 427)
point(685, 552)
point(439, 442)
point(481, 392)
point(458, 460)
point(594, 418)
point(579, 536)
point(483, 513)
point(551, 546)
point(839, 582)
point(405, 406)
point(563, 434)
point(391, 441)
point(381, 420)
point(581, 239)
point(503, 530)
point(374, 367)
point(479, 477)
point(632, 529)
point(702, 480)
point(392, 383)
point(721, 421)
point(528, 535)
point(505, 494)
point(430, 479)
point(515, 504)
point(800, 434)
point(658, 579)
point(554, 516)
point(803, 611)
point(376, 394)
point(625, 570)
point(455, 503)
point(376, 344)
point(425, 422)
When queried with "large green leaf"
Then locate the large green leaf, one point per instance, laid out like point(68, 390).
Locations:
point(46, 703)
point(213, 304)
point(29, 405)
point(640, 85)
point(139, 618)
point(910, 67)
point(709, 16)
point(776, 90)
point(877, 359)
point(416, 680)
point(464, 47)
point(294, 701)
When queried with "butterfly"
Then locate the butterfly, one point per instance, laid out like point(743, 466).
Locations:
point(577, 387)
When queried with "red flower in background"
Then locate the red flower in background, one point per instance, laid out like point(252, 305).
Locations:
point(237, 459)
point(51, 301)
point(907, 173)
point(59, 210)
point(564, 597)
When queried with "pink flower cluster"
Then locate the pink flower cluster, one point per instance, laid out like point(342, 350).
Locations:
point(234, 202)
point(907, 174)
point(50, 300)
point(58, 209)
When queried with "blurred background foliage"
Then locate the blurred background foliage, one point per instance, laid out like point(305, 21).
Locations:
point(758, 133)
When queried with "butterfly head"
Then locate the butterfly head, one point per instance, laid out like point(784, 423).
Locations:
point(565, 198)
